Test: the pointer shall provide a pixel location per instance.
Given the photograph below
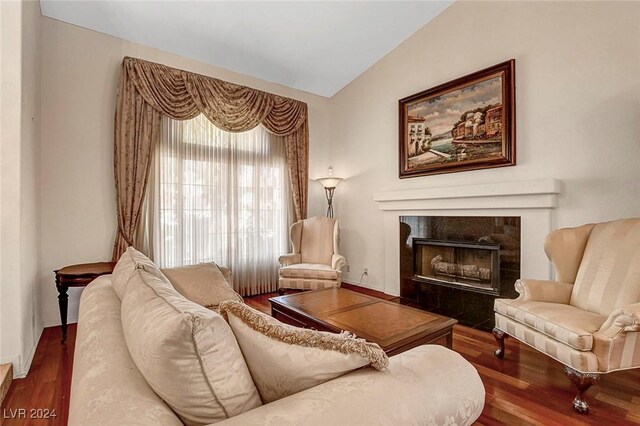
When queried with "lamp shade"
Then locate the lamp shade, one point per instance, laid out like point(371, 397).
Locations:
point(329, 182)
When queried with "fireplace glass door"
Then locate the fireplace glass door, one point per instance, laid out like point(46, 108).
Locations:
point(474, 266)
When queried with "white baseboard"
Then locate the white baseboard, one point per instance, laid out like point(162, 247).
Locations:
point(364, 286)
point(27, 364)
point(22, 365)
point(57, 322)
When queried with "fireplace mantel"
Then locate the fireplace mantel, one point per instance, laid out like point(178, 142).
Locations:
point(528, 194)
point(533, 200)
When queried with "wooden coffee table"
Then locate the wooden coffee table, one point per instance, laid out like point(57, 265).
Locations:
point(396, 328)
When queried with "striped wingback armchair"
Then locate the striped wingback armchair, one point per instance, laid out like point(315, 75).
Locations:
point(315, 262)
point(589, 319)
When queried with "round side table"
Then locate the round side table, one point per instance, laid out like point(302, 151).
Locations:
point(76, 276)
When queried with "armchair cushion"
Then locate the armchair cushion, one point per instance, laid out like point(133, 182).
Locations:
point(564, 323)
point(583, 361)
point(284, 360)
point(309, 270)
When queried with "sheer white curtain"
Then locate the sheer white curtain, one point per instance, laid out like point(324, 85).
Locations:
point(220, 197)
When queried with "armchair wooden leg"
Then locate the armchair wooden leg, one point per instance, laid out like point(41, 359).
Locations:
point(281, 291)
point(582, 381)
point(499, 336)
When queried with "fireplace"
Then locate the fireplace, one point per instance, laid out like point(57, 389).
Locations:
point(455, 264)
point(458, 265)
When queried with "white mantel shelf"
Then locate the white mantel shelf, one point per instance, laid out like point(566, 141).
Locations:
point(527, 194)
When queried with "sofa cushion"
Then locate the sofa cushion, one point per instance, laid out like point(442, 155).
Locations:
point(187, 353)
point(309, 270)
point(564, 323)
point(284, 360)
point(126, 266)
point(203, 284)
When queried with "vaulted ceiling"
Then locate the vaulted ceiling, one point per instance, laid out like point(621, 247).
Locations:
point(316, 46)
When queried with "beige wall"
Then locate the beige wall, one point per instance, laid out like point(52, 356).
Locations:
point(80, 70)
point(20, 323)
point(578, 104)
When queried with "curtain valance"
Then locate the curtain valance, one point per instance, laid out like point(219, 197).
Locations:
point(147, 90)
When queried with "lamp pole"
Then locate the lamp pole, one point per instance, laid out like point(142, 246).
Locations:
point(329, 193)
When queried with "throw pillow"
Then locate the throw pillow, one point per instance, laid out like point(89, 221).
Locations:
point(125, 268)
point(284, 360)
point(187, 353)
point(203, 284)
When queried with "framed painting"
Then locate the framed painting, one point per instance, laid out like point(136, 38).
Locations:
point(465, 124)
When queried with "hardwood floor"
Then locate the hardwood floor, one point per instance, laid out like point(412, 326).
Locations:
point(523, 389)
point(46, 386)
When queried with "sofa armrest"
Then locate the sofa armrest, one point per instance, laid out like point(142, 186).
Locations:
point(421, 386)
point(338, 261)
point(622, 320)
point(289, 259)
point(544, 291)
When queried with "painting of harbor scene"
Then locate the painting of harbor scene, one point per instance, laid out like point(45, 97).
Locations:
point(462, 125)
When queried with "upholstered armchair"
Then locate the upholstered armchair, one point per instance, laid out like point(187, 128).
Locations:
point(589, 319)
point(315, 262)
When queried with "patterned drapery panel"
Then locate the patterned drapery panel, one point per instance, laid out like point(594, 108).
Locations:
point(149, 90)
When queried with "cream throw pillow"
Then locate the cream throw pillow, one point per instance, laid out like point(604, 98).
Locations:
point(284, 360)
point(187, 353)
point(125, 268)
point(203, 284)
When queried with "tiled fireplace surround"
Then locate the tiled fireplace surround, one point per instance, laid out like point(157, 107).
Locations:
point(533, 201)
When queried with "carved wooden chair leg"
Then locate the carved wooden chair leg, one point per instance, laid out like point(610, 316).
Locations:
point(281, 291)
point(500, 336)
point(582, 381)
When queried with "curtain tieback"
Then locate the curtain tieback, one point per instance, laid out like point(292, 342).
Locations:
point(124, 236)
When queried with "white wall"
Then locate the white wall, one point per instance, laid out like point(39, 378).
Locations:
point(80, 71)
point(578, 110)
point(20, 323)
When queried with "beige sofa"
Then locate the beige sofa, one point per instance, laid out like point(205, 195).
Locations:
point(426, 385)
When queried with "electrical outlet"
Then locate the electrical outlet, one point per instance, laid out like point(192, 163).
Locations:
point(366, 271)
point(346, 268)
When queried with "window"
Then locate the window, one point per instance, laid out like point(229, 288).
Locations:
point(220, 197)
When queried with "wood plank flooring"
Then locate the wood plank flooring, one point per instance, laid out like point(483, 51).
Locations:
point(526, 388)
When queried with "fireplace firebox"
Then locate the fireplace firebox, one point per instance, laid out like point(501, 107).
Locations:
point(470, 266)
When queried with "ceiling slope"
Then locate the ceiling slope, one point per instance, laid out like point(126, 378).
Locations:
point(315, 46)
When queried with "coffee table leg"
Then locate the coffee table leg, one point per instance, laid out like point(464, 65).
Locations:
point(449, 340)
point(63, 299)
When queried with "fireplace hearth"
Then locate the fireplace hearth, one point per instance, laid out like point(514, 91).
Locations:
point(457, 266)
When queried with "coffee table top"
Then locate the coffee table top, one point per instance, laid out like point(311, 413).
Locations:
point(387, 323)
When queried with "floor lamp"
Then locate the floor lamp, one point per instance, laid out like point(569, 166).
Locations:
point(330, 182)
